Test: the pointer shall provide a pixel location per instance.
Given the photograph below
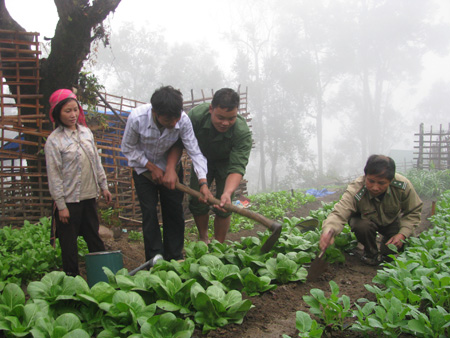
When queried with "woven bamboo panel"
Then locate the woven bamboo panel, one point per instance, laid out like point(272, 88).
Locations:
point(23, 181)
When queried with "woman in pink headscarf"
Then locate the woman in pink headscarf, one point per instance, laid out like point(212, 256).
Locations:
point(75, 178)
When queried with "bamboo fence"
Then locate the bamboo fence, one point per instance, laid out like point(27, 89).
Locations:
point(433, 148)
point(23, 187)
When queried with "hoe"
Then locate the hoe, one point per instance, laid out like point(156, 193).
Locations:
point(273, 226)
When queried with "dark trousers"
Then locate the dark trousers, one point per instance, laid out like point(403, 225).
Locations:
point(366, 233)
point(170, 246)
point(84, 222)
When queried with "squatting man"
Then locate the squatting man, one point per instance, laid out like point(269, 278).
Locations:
point(381, 201)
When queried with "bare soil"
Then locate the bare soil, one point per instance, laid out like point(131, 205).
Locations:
point(274, 312)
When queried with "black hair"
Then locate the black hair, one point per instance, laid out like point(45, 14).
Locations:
point(167, 101)
point(57, 111)
point(381, 166)
point(225, 98)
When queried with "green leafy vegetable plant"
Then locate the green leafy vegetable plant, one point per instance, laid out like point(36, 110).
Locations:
point(429, 183)
point(332, 310)
point(435, 324)
point(173, 293)
point(215, 308)
point(26, 253)
point(167, 325)
point(66, 325)
point(254, 285)
point(307, 327)
point(135, 236)
point(388, 318)
point(283, 269)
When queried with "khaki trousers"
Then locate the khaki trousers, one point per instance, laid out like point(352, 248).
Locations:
point(366, 233)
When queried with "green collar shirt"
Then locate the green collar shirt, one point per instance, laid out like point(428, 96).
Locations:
point(227, 152)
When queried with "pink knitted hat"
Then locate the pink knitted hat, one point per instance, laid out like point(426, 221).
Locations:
point(60, 95)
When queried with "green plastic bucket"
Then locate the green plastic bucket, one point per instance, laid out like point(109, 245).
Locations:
point(95, 262)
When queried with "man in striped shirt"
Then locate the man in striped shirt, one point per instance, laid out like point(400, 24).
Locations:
point(150, 132)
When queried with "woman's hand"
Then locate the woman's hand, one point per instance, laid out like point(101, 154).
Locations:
point(107, 195)
point(64, 215)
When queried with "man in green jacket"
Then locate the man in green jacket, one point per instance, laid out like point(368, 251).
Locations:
point(382, 202)
point(225, 140)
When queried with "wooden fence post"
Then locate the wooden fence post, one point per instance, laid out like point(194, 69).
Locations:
point(420, 157)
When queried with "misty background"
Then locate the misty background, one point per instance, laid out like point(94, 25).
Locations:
point(329, 82)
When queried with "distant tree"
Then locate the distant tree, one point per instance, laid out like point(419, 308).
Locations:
point(434, 109)
point(278, 112)
point(389, 39)
point(131, 64)
point(312, 45)
point(248, 70)
point(355, 54)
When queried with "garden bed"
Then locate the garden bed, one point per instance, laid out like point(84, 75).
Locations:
point(274, 312)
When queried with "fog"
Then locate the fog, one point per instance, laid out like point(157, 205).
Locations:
point(329, 82)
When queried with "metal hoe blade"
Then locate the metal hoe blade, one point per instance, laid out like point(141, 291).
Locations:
point(269, 243)
point(318, 266)
point(306, 225)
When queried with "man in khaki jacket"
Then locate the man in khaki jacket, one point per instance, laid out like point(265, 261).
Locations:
point(380, 201)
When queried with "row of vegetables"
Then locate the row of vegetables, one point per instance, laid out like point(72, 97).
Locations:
point(205, 290)
point(26, 253)
point(412, 292)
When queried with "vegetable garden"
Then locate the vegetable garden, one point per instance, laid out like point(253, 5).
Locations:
point(225, 290)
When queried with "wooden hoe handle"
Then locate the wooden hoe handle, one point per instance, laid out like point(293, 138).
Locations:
point(229, 207)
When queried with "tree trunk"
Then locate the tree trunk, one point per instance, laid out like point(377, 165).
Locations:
point(319, 130)
point(78, 26)
point(274, 162)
